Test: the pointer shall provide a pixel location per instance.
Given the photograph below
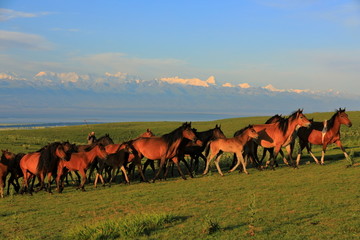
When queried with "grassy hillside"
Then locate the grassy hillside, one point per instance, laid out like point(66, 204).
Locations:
point(312, 202)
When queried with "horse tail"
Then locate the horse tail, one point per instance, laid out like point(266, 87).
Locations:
point(207, 149)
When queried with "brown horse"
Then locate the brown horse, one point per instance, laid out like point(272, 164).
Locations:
point(31, 164)
point(279, 134)
point(289, 148)
point(163, 147)
point(6, 164)
point(232, 145)
point(323, 133)
point(79, 161)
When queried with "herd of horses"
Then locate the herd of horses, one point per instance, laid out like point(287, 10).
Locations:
point(56, 160)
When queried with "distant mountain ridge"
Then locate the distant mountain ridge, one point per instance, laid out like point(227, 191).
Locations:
point(64, 94)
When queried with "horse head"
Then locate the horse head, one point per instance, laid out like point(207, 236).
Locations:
point(301, 119)
point(217, 132)
point(148, 133)
point(250, 131)
point(7, 155)
point(188, 132)
point(343, 117)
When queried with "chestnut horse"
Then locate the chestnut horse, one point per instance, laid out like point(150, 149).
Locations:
point(79, 161)
point(323, 133)
point(289, 148)
point(41, 163)
point(162, 148)
point(279, 134)
point(232, 145)
point(6, 164)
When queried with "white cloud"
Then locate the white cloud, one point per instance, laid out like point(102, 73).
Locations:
point(23, 40)
point(190, 81)
point(7, 14)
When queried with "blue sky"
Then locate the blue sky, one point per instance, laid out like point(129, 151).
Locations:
point(289, 44)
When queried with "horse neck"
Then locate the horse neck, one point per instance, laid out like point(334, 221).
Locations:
point(291, 127)
point(173, 148)
point(243, 137)
point(335, 128)
point(205, 136)
point(91, 155)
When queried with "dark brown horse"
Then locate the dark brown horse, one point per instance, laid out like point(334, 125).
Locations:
point(163, 147)
point(279, 134)
point(323, 133)
point(6, 164)
point(79, 161)
point(195, 150)
point(233, 145)
point(114, 161)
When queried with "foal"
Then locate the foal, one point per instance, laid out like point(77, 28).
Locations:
point(232, 145)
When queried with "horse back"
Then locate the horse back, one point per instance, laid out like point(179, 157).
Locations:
point(29, 162)
point(152, 147)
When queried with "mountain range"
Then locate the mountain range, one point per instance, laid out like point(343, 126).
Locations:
point(125, 97)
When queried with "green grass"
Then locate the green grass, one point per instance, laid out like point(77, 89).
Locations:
point(312, 202)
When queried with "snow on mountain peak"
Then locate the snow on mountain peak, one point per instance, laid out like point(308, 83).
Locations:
point(190, 81)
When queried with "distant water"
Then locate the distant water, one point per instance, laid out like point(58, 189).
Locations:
point(53, 121)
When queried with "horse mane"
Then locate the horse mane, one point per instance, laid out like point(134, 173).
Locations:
point(284, 122)
point(274, 118)
point(239, 132)
point(47, 160)
point(173, 136)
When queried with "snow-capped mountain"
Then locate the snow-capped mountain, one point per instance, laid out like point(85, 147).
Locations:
point(73, 93)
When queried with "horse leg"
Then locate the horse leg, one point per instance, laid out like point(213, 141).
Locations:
point(125, 174)
point(234, 161)
point(49, 182)
point(343, 150)
point(237, 161)
point(323, 154)
point(113, 175)
point(83, 179)
point(209, 158)
point(308, 148)
point(243, 162)
point(283, 157)
point(176, 161)
point(2, 185)
point(99, 174)
point(216, 161)
point(146, 164)
point(187, 168)
point(137, 161)
point(162, 162)
point(42, 184)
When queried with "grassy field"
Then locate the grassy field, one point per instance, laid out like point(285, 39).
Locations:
point(312, 202)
